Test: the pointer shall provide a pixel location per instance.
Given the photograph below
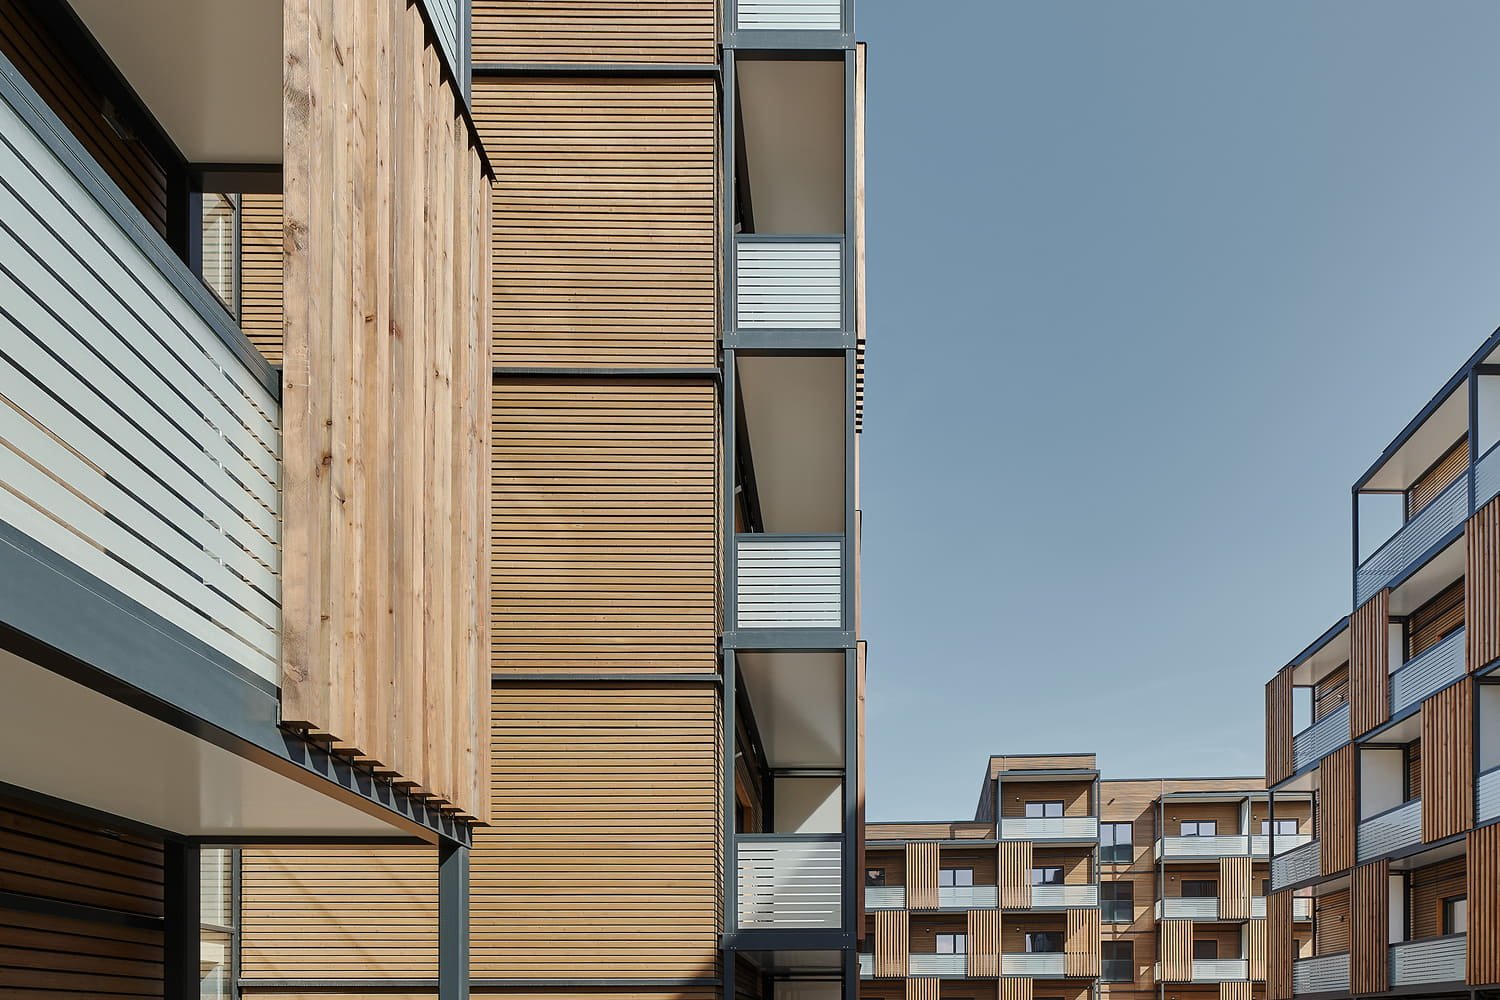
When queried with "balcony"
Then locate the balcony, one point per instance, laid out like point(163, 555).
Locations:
point(1220, 970)
point(1052, 828)
point(786, 283)
point(968, 897)
point(1413, 540)
point(1060, 897)
point(1487, 477)
point(1298, 865)
point(937, 965)
point(1037, 965)
point(1430, 671)
point(1433, 960)
point(866, 966)
point(1301, 907)
point(885, 897)
point(1188, 908)
point(1260, 844)
point(1390, 831)
point(788, 15)
point(790, 881)
point(1324, 974)
point(789, 581)
point(1487, 795)
point(1321, 738)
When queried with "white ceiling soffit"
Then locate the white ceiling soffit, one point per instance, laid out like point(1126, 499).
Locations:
point(1426, 445)
point(794, 413)
point(209, 70)
point(70, 742)
point(1332, 656)
point(792, 111)
point(1427, 582)
point(798, 701)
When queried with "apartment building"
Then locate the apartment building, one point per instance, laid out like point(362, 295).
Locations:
point(1391, 721)
point(1069, 885)
point(342, 661)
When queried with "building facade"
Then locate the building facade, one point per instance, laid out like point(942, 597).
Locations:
point(1391, 722)
point(1068, 885)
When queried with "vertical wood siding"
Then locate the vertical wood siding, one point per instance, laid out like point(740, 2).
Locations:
point(1255, 948)
point(1482, 587)
point(1234, 888)
point(1369, 894)
point(604, 232)
point(1331, 923)
point(1237, 991)
point(984, 943)
point(1081, 945)
point(567, 31)
point(261, 282)
point(922, 875)
point(1484, 905)
point(386, 377)
point(1281, 946)
point(50, 958)
point(1279, 727)
point(1016, 988)
point(1339, 814)
point(892, 942)
point(922, 988)
point(1369, 673)
point(1176, 951)
point(1015, 874)
point(1447, 786)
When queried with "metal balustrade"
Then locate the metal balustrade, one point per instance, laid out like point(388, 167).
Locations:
point(1063, 896)
point(1487, 477)
point(1401, 551)
point(1218, 970)
point(789, 284)
point(1049, 828)
point(1321, 738)
point(789, 581)
point(1430, 671)
point(1324, 974)
point(1297, 865)
point(1487, 795)
point(1038, 965)
point(866, 966)
point(1301, 907)
point(1188, 908)
point(1194, 848)
point(1260, 844)
point(1390, 831)
point(790, 881)
point(789, 15)
point(1433, 960)
point(968, 897)
point(937, 965)
point(885, 897)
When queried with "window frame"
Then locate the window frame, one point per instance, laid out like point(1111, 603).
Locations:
point(957, 942)
point(1109, 854)
point(1449, 914)
point(1046, 805)
point(1126, 946)
point(1197, 825)
point(952, 875)
point(1115, 885)
point(1042, 869)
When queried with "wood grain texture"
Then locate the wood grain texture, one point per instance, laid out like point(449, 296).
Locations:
point(1483, 877)
point(1235, 889)
point(984, 943)
point(1429, 887)
point(1482, 587)
point(922, 988)
point(594, 31)
point(1369, 895)
point(1429, 624)
point(1279, 727)
point(1430, 484)
point(1369, 665)
point(1331, 924)
point(922, 867)
point(1255, 948)
point(1447, 762)
point(261, 275)
point(51, 855)
point(1339, 816)
point(1015, 874)
point(1281, 947)
point(1176, 951)
point(1081, 944)
point(892, 942)
point(48, 958)
point(1016, 988)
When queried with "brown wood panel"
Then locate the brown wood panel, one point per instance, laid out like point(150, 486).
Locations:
point(1447, 786)
point(605, 223)
point(1280, 946)
point(52, 957)
point(1427, 625)
point(922, 866)
point(1016, 988)
point(1236, 991)
point(984, 943)
point(261, 280)
point(1255, 948)
point(1330, 692)
point(1483, 882)
point(1279, 727)
point(52, 855)
point(607, 861)
point(1042, 762)
point(982, 861)
point(961, 830)
point(1176, 951)
point(605, 523)
point(1331, 923)
point(1339, 814)
point(1369, 664)
point(1369, 906)
point(1015, 874)
point(1235, 888)
point(922, 988)
point(1430, 484)
point(1074, 795)
point(1081, 945)
point(385, 384)
point(1482, 587)
point(594, 31)
point(892, 942)
point(1428, 888)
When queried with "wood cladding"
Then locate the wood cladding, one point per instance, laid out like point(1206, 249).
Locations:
point(1331, 692)
point(1483, 879)
point(1255, 947)
point(1176, 950)
point(1331, 923)
point(922, 867)
point(1430, 484)
point(1369, 666)
point(1043, 762)
point(1234, 888)
point(1016, 988)
point(1482, 587)
point(1015, 874)
point(51, 855)
point(605, 523)
point(45, 957)
point(385, 381)
point(922, 988)
point(261, 280)
point(605, 229)
point(1339, 816)
point(1075, 795)
point(892, 942)
point(1369, 906)
point(1428, 888)
point(607, 862)
point(1237, 991)
point(1081, 944)
point(594, 31)
point(1447, 762)
point(962, 830)
point(984, 943)
point(1430, 623)
point(1279, 727)
point(1281, 945)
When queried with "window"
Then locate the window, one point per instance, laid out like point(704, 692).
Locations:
point(1265, 887)
point(949, 877)
point(1199, 888)
point(1456, 915)
point(1047, 876)
point(1205, 950)
point(1117, 961)
point(1044, 942)
point(953, 944)
point(1283, 827)
point(1116, 843)
point(874, 877)
point(1200, 828)
point(1117, 902)
point(1044, 810)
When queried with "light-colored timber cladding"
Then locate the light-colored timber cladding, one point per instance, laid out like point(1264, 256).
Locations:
point(1016, 988)
point(1483, 860)
point(1331, 923)
point(1281, 945)
point(1369, 673)
point(1015, 874)
point(922, 988)
point(1234, 888)
point(1339, 812)
point(47, 958)
point(56, 75)
point(338, 913)
point(1429, 624)
point(386, 379)
point(1430, 484)
point(605, 525)
point(261, 273)
point(1081, 943)
point(1414, 769)
point(1176, 951)
point(594, 31)
point(1255, 948)
point(604, 227)
point(1447, 784)
point(607, 862)
point(961, 830)
point(1042, 762)
point(1482, 587)
point(1369, 921)
point(1237, 991)
point(1428, 888)
point(922, 866)
point(1279, 727)
point(892, 942)
point(984, 943)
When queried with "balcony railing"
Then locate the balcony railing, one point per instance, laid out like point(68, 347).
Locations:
point(1434, 960)
point(885, 897)
point(1321, 738)
point(784, 283)
point(789, 881)
point(1297, 865)
point(789, 581)
point(788, 15)
point(141, 435)
point(1401, 551)
point(968, 897)
point(1487, 795)
point(1487, 476)
point(1390, 831)
point(1188, 908)
point(1260, 844)
point(1430, 671)
point(937, 965)
point(1324, 974)
point(1301, 907)
point(1197, 848)
point(1219, 970)
point(1038, 965)
point(866, 966)
point(1063, 896)
point(1049, 828)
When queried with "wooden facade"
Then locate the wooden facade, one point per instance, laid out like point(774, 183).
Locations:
point(922, 867)
point(1447, 763)
point(1281, 947)
point(1279, 727)
point(1482, 587)
point(892, 942)
point(1235, 888)
point(1369, 665)
point(1483, 893)
point(1015, 874)
point(1081, 945)
point(1338, 810)
point(1016, 988)
point(923, 988)
point(1176, 951)
point(262, 282)
point(566, 31)
point(1369, 922)
point(983, 928)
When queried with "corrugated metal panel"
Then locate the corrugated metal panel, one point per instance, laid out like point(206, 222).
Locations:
point(1296, 865)
point(789, 581)
point(1324, 974)
point(1435, 668)
point(790, 882)
point(1390, 831)
point(1437, 960)
point(789, 15)
point(789, 285)
point(967, 897)
point(1415, 537)
point(1318, 741)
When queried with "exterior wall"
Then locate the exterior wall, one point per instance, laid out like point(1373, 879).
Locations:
point(658, 31)
point(1075, 796)
point(262, 278)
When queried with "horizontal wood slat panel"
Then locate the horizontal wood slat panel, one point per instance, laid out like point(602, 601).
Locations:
point(50, 855)
point(1281, 947)
point(892, 942)
point(594, 31)
point(1483, 860)
point(261, 281)
point(1447, 762)
point(1431, 483)
point(1279, 727)
point(1430, 623)
point(1428, 887)
point(1369, 894)
point(922, 875)
point(1369, 667)
point(1015, 874)
point(1338, 815)
point(984, 943)
point(53, 957)
point(1081, 945)
point(1482, 587)
point(605, 224)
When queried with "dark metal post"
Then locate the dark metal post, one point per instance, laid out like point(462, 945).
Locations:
point(183, 912)
point(453, 921)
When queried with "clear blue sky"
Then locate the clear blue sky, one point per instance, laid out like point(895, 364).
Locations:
point(1151, 284)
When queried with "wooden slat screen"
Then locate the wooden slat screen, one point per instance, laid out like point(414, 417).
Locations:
point(1236, 991)
point(1448, 762)
point(1234, 888)
point(1438, 478)
point(922, 988)
point(892, 942)
point(1016, 988)
point(385, 386)
point(1338, 814)
point(1176, 953)
point(604, 230)
point(1331, 692)
point(1255, 948)
point(1081, 945)
point(1015, 874)
point(1483, 850)
point(1281, 946)
point(922, 875)
point(1369, 894)
point(1369, 673)
point(45, 957)
point(1482, 587)
point(1427, 625)
point(984, 943)
point(261, 287)
point(568, 31)
point(1279, 727)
